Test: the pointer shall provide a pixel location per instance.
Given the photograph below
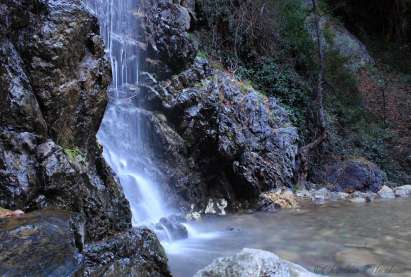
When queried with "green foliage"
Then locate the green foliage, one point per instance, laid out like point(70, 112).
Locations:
point(245, 85)
point(281, 81)
point(2, 210)
point(353, 130)
point(75, 155)
point(292, 28)
point(338, 76)
point(329, 35)
point(202, 54)
point(324, 7)
point(244, 31)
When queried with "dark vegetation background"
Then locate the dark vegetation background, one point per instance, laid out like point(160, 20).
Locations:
point(266, 45)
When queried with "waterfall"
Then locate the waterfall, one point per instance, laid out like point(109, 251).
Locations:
point(121, 134)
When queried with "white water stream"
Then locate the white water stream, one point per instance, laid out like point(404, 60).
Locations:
point(121, 135)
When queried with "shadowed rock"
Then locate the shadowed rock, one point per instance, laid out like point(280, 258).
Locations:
point(171, 228)
point(354, 175)
point(170, 48)
point(136, 252)
point(220, 137)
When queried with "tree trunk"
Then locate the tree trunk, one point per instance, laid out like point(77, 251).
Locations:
point(317, 109)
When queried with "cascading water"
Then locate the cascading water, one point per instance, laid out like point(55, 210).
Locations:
point(121, 134)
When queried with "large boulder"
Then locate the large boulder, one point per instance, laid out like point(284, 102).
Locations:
point(354, 175)
point(57, 237)
point(136, 252)
point(403, 191)
point(253, 263)
point(222, 138)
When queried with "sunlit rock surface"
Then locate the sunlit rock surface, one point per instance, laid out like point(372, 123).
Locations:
point(253, 263)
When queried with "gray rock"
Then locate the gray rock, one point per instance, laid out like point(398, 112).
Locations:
point(354, 175)
point(303, 193)
point(216, 206)
point(368, 196)
point(253, 263)
point(58, 240)
point(358, 200)
point(335, 37)
point(37, 173)
point(165, 31)
point(341, 196)
point(171, 229)
point(403, 191)
point(17, 101)
point(321, 196)
point(222, 139)
point(386, 193)
point(136, 252)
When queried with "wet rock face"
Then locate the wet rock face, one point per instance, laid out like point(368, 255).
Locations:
point(53, 81)
point(354, 175)
point(136, 252)
point(50, 235)
point(169, 48)
point(171, 228)
point(18, 104)
point(55, 42)
point(57, 238)
point(225, 139)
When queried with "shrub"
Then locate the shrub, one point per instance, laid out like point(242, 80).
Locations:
point(75, 155)
point(353, 129)
point(281, 81)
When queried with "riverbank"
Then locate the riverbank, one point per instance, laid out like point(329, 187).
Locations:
point(336, 238)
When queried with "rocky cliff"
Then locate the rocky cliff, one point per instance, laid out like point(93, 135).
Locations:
point(53, 94)
point(215, 137)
